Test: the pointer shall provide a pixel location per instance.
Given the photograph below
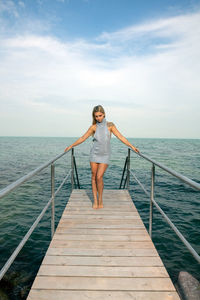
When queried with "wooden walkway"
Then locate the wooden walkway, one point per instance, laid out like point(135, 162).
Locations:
point(102, 254)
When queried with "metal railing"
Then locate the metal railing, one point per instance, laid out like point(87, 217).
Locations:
point(51, 201)
point(186, 180)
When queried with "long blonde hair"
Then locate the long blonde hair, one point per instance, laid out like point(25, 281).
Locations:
point(97, 108)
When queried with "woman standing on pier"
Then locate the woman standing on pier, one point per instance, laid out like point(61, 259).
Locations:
point(100, 152)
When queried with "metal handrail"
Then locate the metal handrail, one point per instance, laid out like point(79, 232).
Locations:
point(139, 183)
point(185, 179)
point(23, 179)
point(188, 181)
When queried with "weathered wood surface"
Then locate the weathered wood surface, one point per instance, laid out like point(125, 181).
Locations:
point(102, 254)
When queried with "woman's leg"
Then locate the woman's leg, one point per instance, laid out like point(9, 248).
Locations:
point(100, 172)
point(94, 168)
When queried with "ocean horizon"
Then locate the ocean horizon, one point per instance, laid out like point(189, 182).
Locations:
point(46, 136)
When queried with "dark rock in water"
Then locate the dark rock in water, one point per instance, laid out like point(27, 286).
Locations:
point(188, 286)
point(24, 292)
point(14, 285)
point(3, 296)
point(5, 288)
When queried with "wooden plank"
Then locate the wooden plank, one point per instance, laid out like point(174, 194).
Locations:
point(102, 217)
point(106, 205)
point(104, 231)
point(51, 294)
point(99, 212)
point(100, 225)
point(104, 211)
point(101, 252)
point(106, 283)
point(101, 237)
point(102, 261)
point(108, 201)
point(101, 244)
point(121, 221)
point(96, 271)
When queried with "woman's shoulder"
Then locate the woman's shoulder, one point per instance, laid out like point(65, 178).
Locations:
point(93, 126)
point(110, 124)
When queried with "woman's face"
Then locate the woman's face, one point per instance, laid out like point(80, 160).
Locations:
point(99, 116)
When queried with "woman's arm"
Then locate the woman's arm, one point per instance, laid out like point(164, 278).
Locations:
point(81, 139)
point(122, 138)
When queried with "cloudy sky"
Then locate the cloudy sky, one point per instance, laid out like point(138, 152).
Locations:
point(139, 59)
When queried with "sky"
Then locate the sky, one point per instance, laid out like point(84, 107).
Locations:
point(139, 59)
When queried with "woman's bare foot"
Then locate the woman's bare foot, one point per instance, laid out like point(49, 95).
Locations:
point(100, 204)
point(95, 205)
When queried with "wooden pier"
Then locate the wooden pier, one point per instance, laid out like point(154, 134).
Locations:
point(102, 254)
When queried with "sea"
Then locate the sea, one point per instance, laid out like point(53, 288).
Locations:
point(20, 208)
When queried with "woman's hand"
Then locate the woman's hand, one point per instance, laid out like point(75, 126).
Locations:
point(135, 149)
point(67, 148)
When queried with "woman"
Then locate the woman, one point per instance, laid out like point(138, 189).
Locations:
point(100, 152)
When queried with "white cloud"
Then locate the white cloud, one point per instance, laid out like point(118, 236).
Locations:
point(148, 92)
point(161, 27)
point(21, 3)
point(8, 7)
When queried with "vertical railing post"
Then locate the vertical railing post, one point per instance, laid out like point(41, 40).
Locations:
point(76, 172)
point(53, 200)
point(128, 169)
point(151, 199)
point(72, 169)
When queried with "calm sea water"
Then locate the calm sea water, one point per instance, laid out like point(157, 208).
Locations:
point(20, 155)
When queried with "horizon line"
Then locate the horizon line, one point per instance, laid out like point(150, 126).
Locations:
point(36, 136)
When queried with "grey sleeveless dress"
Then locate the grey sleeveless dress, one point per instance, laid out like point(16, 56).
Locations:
point(100, 151)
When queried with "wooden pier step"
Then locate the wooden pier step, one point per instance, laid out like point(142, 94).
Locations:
point(102, 254)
